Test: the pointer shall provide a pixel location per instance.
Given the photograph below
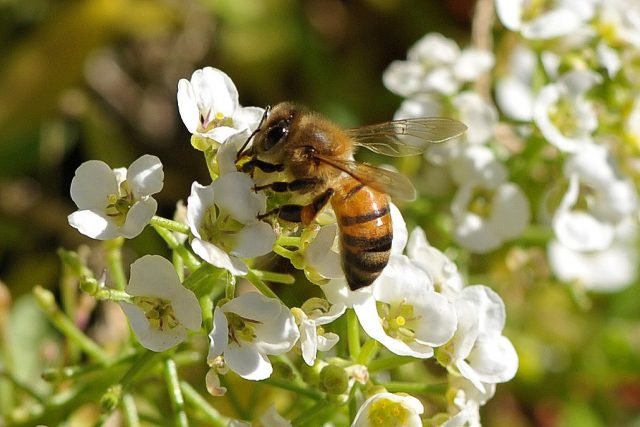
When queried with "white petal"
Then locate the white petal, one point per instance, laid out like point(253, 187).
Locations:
point(400, 232)
point(475, 234)
point(215, 89)
point(488, 306)
point(510, 13)
point(254, 306)
point(319, 256)
point(476, 165)
point(401, 279)
point(479, 116)
point(472, 63)
point(247, 117)
point(437, 316)
point(403, 77)
point(434, 49)
point(187, 105)
point(248, 362)
point(308, 341)
point(93, 182)
point(510, 213)
point(145, 175)
point(218, 257)
point(138, 217)
point(199, 201)
point(558, 22)
point(227, 153)
point(153, 276)
point(234, 194)
point(327, 341)
point(494, 359)
point(515, 98)
point(93, 224)
point(152, 338)
point(410, 416)
point(219, 335)
point(254, 240)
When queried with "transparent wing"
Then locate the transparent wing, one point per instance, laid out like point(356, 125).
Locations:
point(392, 183)
point(406, 137)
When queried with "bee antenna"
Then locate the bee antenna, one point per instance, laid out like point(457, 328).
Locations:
point(267, 109)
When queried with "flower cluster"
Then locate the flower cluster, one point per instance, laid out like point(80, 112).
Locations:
point(419, 306)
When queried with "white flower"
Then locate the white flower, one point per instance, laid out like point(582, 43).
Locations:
point(247, 329)
point(436, 64)
point(162, 310)
point(596, 200)
point(442, 271)
point(115, 202)
point(487, 210)
point(223, 219)
point(621, 21)
point(314, 313)
point(607, 270)
point(562, 18)
point(514, 91)
point(479, 351)
point(465, 404)
point(388, 409)
point(563, 114)
point(404, 313)
point(208, 105)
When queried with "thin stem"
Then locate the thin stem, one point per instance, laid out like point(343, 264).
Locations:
point(285, 253)
point(353, 334)
point(294, 387)
point(190, 260)
point(158, 221)
point(390, 362)
point(142, 364)
point(114, 262)
point(93, 288)
point(194, 398)
point(368, 352)
point(417, 388)
point(46, 302)
point(130, 411)
point(270, 276)
point(288, 241)
point(313, 415)
point(175, 393)
point(260, 285)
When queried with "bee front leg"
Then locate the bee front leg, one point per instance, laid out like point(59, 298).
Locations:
point(304, 214)
point(302, 185)
point(263, 166)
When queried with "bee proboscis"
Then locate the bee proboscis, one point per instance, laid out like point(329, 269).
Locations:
point(299, 151)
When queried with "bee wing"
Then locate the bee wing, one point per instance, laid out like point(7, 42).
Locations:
point(386, 181)
point(406, 137)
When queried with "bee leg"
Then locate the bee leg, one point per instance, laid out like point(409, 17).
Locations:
point(302, 185)
point(302, 213)
point(263, 166)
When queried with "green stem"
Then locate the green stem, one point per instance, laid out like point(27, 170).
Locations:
point(175, 393)
point(142, 364)
point(93, 288)
point(270, 276)
point(285, 253)
point(417, 388)
point(114, 262)
point(130, 411)
point(190, 260)
point(313, 415)
point(158, 221)
point(353, 334)
point(294, 387)
point(46, 302)
point(368, 352)
point(390, 362)
point(194, 398)
point(74, 372)
point(288, 241)
point(260, 285)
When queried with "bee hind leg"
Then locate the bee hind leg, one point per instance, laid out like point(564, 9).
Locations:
point(304, 214)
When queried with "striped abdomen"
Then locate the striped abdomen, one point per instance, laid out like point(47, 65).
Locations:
point(364, 220)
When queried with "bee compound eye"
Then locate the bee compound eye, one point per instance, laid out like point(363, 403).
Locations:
point(276, 134)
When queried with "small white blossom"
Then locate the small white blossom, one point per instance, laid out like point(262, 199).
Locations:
point(561, 18)
point(249, 328)
point(514, 91)
point(597, 199)
point(607, 270)
point(436, 64)
point(115, 202)
point(209, 107)
point(388, 409)
point(562, 112)
point(621, 21)
point(465, 404)
point(404, 313)
point(162, 310)
point(223, 219)
point(487, 209)
point(310, 317)
point(479, 351)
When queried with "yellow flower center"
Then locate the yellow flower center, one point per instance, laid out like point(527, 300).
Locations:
point(220, 229)
point(241, 329)
point(158, 311)
point(481, 202)
point(398, 321)
point(209, 122)
point(119, 204)
point(387, 413)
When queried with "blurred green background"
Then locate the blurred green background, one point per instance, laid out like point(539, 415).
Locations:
point(96, 79)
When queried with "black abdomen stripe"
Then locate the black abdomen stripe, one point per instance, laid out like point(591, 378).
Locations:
point(348, 220)
point(380, 244)
point(371, 262)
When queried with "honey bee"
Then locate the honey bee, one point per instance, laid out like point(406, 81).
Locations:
point(310, 155)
